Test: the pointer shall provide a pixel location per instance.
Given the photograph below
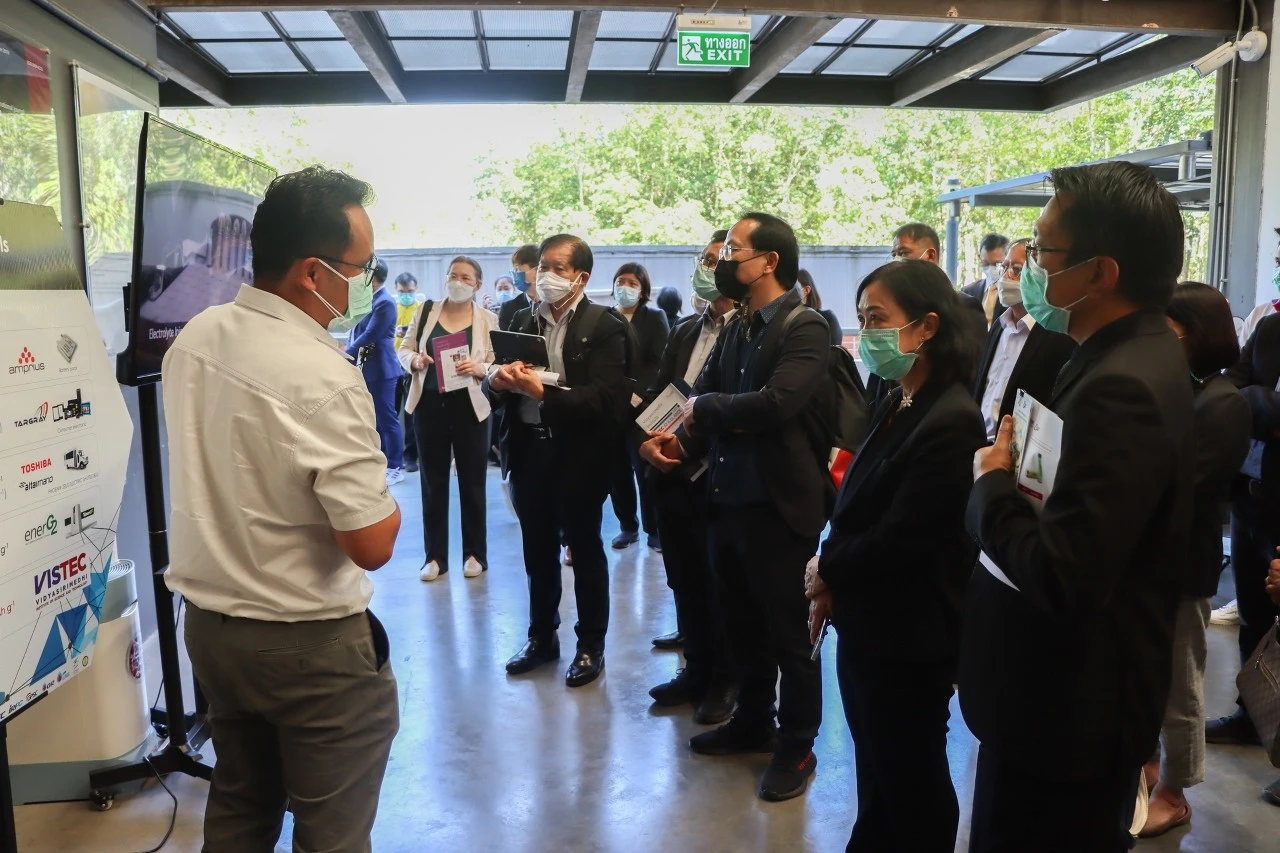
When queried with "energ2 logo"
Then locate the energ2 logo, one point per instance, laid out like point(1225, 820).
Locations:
point(41, 531)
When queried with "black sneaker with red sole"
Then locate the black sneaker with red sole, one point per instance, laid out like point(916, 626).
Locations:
point(788, 774)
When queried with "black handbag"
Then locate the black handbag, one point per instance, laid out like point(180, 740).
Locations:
point(1259, 685)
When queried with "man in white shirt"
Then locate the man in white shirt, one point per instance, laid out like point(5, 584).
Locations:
point(279, 508)
point(1019, 354)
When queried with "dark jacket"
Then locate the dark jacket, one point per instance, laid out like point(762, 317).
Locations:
point(1036, 369)
point(782, 419)
point(833, 323)
point(509, 309)
point(377, 331)
point(898, 532)
point(1082, 653)
point(1223, 424)
point(977, 290)
point(584, 416)
point(878, 389)
point(1256, 375)
point(650, 326)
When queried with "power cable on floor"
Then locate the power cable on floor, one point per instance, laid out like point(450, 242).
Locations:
point(173, 817)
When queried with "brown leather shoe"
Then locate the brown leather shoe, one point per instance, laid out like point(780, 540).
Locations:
point(1160, 819)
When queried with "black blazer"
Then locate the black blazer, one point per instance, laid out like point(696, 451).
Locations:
point(650, 325)
point(878, 389)
point(584, 417)
point(509, 309)
point(1256, 375)
point(977, 290)
point(675, 361)
point(898, 533)
point(1223, 424)
point(783, 418)
point(1036, 369)
point(1082, 654)
point(833, 323)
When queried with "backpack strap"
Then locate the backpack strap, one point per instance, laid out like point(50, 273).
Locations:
point(422, 321)
point(791, 315)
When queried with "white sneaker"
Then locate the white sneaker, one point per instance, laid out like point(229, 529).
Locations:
point(472, 568)
point(429, 572)
point(1227, 614)
point(394, 476)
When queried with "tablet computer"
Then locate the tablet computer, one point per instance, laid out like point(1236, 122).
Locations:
point(515, 346)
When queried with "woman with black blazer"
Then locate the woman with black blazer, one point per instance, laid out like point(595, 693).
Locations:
point(898, 534)
point(1201, 318)
point(814, 300)
point(631, 290)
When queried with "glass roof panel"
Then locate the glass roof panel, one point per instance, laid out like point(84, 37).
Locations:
point(961, 34)
point(428, 24)
point(842, 31)
point(527, 55)
point(526, 24)
point(903, 33)
point(308, 25)
point(254, 57)
point(1030, 68)
point(809, 60)
point(870, 61)
point(331, 55)
point(224, 25)
point(623, 55)
point(1083, 42)
point(634, 25)
point(438, 55)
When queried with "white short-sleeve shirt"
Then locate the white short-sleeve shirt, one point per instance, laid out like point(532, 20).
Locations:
point(272, 447)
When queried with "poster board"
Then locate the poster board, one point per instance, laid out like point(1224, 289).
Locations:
point(64, 446)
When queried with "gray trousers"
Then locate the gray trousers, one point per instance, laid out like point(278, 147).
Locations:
point(1182, 736)
point(302, 715)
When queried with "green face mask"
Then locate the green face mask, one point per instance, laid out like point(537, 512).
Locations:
point(359, 300)
point(1275, 278)
point(704, 282)
point(881, 353)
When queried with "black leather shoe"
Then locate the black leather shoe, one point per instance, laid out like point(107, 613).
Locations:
point(717, 705)
point(682, 689)
point(655, 544)
point(733, 738)
point(625, 540)
point(1236, 729)
point(669, 642)
point(411, 467)
point(1271, 793)
point(788, 774)
point(586, 668)
point(534, 654)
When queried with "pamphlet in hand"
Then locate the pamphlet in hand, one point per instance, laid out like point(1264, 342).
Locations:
point(665, 413)
point(1036, 450)
point(449, 351)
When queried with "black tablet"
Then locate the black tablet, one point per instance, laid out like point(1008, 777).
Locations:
point(514, 346)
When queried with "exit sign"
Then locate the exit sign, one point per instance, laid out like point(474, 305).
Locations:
point(713, 41)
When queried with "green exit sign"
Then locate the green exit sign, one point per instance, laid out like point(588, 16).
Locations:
point(716, 50)
point(713, 41)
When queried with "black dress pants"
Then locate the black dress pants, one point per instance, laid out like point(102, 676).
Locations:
point(628, 468)
point(406, 419)
point(759, 563)
point(898, 715)
point(1255, 533)
point(447, 429)
point(1010, 814)
point(545, 509)
point(681, 509)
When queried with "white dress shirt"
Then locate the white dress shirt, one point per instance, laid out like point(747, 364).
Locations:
point(1012, 340)
point(555, 331)
point(272, 447)
point(707, 337)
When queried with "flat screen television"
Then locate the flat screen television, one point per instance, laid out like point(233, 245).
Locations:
point(195, 206)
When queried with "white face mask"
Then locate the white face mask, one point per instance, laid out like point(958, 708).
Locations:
point(555, 289)
point(992, 273)
point(626, 296)
point(1009, 292)
point(458, 291)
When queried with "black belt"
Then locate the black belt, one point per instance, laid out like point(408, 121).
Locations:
point(540, 432)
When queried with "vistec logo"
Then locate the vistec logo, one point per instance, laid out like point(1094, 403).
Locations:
point(26, 363)
point(70, 573)
point(40, 416)
point(35, 534)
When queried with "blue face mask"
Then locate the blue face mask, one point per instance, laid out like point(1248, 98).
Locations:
point(505, 296)
point(1035, 297)
point(407, 299)
point(521, 280)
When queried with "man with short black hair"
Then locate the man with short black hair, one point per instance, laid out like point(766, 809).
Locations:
point(558, 443)
point(992, 253)
point(524, 275)
point(916, 240)
point(1070, 619)
point(279, 509)
point(756, 411)
point(372, 345)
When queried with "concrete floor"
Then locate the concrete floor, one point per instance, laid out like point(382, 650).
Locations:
point(489, 763)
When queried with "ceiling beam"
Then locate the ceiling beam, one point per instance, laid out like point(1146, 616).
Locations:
point(978, 52)
point(191, 71)
point(1184, 17)
point(788, 41)
point(585, 27)
point(374, 51)
point(1139, 65)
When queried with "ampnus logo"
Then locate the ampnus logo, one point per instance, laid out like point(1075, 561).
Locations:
point(26, 363)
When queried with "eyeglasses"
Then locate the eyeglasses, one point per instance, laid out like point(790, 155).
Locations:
point(726, 251)
point(369, 269)
point(708, 260)
point(1034, 250)
point(1007, 267)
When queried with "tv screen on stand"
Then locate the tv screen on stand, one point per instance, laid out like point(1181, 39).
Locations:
point(195, 207)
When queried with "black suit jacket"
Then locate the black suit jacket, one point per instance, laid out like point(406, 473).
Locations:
point(650, 325)
point(509, 309)
point(898, 530)
point(977, 290)
point(1036, 370)
point(584, 416)
point(1256, 375)
point(1223, 424)
point(782, 419)
point(675, 362)
point(1082, 653)
point(833, 323)
point(878, 389)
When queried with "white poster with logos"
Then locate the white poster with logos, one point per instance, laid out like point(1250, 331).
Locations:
point(64, 446)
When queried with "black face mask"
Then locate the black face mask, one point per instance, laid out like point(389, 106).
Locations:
point(727, 281)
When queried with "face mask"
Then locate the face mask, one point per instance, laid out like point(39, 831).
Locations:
point(554, 289)
point(1010, 292)
point(704, 283)
point(627, 297)
point(407, 299)
point(505, 296)
point(1035, 288)
point(992, 273)
point(881, 353)
point(520, 280)
point(1275, 278)
point(459, 292)
point(359, 300)
point(698, 303)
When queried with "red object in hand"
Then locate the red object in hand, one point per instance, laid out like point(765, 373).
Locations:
point(840, 465)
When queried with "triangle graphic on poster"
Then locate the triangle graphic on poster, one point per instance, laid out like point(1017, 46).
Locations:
point(54, 654)
point(73, 622)
point(96, 593)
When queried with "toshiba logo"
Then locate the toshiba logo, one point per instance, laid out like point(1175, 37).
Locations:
point(36, 466)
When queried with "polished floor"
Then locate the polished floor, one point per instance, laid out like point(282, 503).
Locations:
point(484, 762)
